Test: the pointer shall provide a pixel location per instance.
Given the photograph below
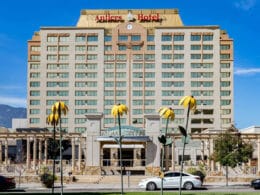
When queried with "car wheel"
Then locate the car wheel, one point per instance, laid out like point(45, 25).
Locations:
point(188, 186)
point(151, 186)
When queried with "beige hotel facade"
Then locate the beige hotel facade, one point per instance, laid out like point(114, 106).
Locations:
point(145, 59)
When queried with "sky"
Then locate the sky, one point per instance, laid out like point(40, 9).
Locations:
point(19, 19)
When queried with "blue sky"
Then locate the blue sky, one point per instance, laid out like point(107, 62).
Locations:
point(240, 18)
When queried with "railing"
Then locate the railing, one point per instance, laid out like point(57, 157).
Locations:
point(125, 162)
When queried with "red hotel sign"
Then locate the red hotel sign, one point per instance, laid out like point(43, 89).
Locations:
point(118, 18)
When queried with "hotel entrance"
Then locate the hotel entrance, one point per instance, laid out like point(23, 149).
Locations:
point(127, 157)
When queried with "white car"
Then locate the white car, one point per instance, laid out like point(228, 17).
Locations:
point(171, 180)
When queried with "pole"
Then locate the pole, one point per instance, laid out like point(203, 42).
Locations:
point(54, 156)
point(182, 159)
point(162, 169)
point(61, 167)
point(120, 153)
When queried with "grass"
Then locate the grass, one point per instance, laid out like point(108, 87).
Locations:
point(140, 193)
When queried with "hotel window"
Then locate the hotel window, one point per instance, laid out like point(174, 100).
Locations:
point(64, 39)
point(136, 47)
point(150, 47)
point(120, 93)
point(195, 56)
point(177, 93)
point(225, 65)
point(121, 47)
point(80, 84)
point(166, 75)
point(149, 83)
point(150, 38)
point(166, 56)
point(120, 74)
point(137, 111)
point(91, 102)
point(178, 84)
point(80, 111)
point(80, 57)
point(51, 57)
point(149, 75)
point(207, 47)
point(224, 56)
point(35, 48)
point(34, 120)
point(34, 93)
point(149, 65)
point(137, 84)
point(225, 93)
point(92, 48)
point(179, 111)
point(92, 38)
point(137, 56)
point(52, 48)
point(109, 57)
point(225, 102)
point(80, 48)
point(80, 93)
point(225, 74)
point(166, 37)
point(35, 57)
point(120, 84)
point(120, 65)
point(225, 84)
point(52, 39)
point(108, 47)
point(137, 75)
point(178, 37)
point(225, 111)
point(166, 102)
point(34, 111)
point(226, 121)
point(109, 65)
point(178, 47)
point(91, 56)
point(207, 37)
point(35, 75)
point(34, 66)
point(224, 47)
point(34, 102)
point(195, 47)
point(80, 75)
point(166, 47)
point(80, 39)
point(178, 75)
point(195, 37)
point(109, 84)
point(178, 65)
point(63, 66)
point(149, 57)
point(64, 48)
point(80, 129)
point(108, 102)
point(108, 93)
point(109, 75)
point(80, 66)
point(149, 93)
point(63, 57)
point(149, 111)
point(80, 120)
point(120, 57)
point(108, 38)
point(122, 38)
point(178, 56)
point(135, 38)
point(166, 84)
point(35, 84)
point(149, 102)
point(207, 56)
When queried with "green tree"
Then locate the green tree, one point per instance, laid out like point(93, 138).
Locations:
point(230, 150)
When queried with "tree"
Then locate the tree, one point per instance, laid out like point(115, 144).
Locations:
point(230, 150)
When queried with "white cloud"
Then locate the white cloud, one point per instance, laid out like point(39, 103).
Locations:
point(13, 101)
point(246, 71)
point(245, 4)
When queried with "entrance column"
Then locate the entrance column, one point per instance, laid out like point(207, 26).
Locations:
point(93, 146)
point(167, 151)
point(28, 153)
point(45, 151)
point(73, 153)
point(34, 151)
point(114, 157)
point(6, 151)
point(40, 153)
point(153, 148)
point(212, 164)
point(79, 154)
point(137, 157)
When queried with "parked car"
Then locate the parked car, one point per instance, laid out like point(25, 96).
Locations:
point(171, 180)
point(255, 183)
point(7, 183)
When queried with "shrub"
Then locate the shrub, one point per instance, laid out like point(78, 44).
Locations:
point(47, 178)
point(197, 172)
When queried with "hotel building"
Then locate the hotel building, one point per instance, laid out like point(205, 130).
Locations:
point(142, 58)
point(145, 59)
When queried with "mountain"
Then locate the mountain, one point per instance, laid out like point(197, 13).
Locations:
point(7, 113)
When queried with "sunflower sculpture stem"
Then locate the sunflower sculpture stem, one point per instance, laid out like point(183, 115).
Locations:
point(120, 153)
point(184, 144)
point(61, 168)
point(54, 156)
